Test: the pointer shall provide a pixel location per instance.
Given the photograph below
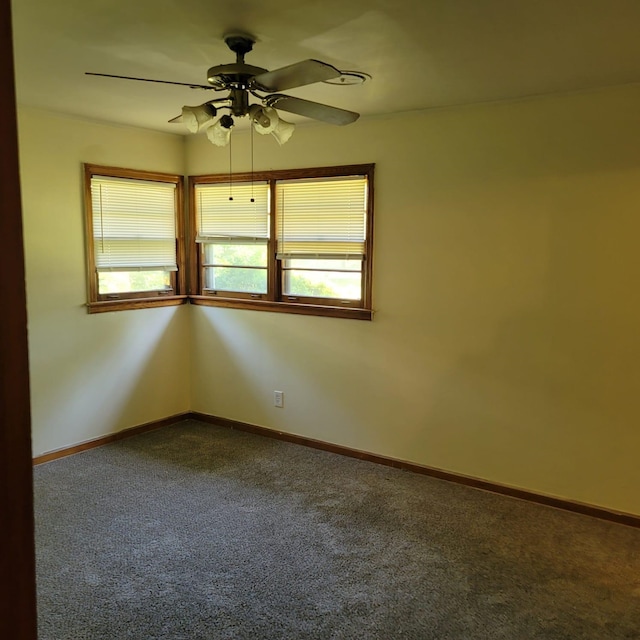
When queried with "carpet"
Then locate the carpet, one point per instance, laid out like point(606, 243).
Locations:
point(199, 532)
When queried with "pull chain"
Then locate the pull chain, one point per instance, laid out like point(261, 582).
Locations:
point(252, 198)
point(230, 179)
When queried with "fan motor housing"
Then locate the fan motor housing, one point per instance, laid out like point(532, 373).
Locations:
point(233, 76)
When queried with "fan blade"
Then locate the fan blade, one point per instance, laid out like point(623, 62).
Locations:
point(184, 84)
point(176, 119)
point(295, 75)
point(316, 110)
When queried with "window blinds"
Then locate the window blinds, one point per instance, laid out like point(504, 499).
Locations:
point(134, 224)
point(221, 220)
point(321, 218)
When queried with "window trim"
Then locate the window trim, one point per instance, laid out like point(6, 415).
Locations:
point(98, 303)
point(273, 299)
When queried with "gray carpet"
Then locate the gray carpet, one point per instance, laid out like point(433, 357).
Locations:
point(198, 532)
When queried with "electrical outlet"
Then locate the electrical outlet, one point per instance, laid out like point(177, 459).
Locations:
point(278, 399)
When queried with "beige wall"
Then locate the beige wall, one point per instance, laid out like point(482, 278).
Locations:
point(91, 375)
point(505, 343)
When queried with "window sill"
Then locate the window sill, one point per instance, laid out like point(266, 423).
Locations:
point(283, 307)
point(135, 303)
point(232, 303)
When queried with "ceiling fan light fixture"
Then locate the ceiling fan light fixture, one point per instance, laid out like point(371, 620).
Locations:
point(283, 131)
point(219, 133)
point(264, 119)
point(195, 118)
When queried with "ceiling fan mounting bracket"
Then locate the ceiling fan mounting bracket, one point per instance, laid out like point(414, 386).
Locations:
point(239, 43)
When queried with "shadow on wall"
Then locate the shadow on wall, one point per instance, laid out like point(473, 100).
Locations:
point(243, 356)
point(108, 372)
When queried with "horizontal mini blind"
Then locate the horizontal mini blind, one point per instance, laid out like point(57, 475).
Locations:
point(225, 214)
point(322, 218)
point(134, 224)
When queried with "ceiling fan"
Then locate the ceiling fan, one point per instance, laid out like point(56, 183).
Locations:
point(243, 80)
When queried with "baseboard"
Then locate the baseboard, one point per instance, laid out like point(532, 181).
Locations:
point(618, 517)
point(593, 511)
point(112, 437)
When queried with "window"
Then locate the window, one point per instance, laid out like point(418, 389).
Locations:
point(297, 241)
point(135, 252)
point(233, 232)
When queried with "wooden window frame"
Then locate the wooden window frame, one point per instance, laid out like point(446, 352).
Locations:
point(274, 300)
point(144, 299)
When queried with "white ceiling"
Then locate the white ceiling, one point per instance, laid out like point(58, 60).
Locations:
point(420, 54)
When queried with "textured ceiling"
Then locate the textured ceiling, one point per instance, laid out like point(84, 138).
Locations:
point(420, 54)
